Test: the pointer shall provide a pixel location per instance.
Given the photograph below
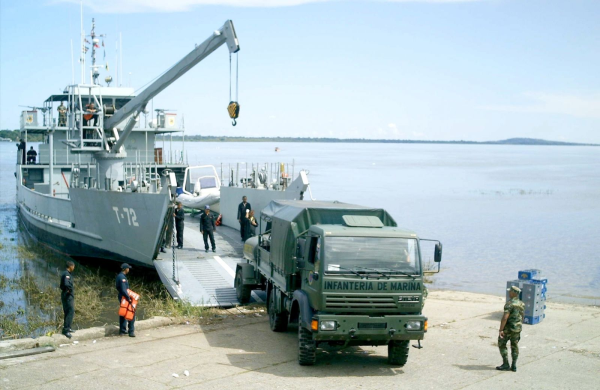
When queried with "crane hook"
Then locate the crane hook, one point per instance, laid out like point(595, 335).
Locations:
point(234, 111)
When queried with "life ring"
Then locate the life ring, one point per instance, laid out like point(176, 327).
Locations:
point(218, 221)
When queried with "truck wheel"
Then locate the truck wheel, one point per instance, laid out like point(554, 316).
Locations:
point(307, 347)
point(278, 321)
point(398, 352)
point(241, 291)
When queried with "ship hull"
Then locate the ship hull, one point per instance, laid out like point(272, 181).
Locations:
point(115, 226)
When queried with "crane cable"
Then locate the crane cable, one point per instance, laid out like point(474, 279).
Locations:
point(234, 107)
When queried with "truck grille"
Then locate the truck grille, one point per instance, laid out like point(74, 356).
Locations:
point(367, 325)
point(381, 302)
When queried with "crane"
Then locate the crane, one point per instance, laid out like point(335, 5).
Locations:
point(226, 34)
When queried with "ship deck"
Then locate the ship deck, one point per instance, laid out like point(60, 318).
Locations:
point(205, 278)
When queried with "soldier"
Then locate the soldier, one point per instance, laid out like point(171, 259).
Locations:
point(510, 329)
point(67, 298)
point(207, 227)
point(122, 285)
point(62, 115)
point(179, 217)
point(243, 208)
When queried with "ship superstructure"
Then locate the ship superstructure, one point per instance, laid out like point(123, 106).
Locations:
point(100, 185)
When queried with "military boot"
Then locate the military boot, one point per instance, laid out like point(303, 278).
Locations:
point(513, 368)
point(505, 366)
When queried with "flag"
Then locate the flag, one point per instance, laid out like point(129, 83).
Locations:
point(96, 45)
point(107, 66)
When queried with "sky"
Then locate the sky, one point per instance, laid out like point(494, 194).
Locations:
point(406, 69)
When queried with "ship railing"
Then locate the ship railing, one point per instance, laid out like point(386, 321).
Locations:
point(269, 176)
point(162, 156)
point(141, 177)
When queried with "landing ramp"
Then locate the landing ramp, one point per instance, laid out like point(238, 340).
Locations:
point(205, 278)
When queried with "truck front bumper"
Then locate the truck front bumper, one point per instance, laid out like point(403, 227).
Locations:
point(368, 330)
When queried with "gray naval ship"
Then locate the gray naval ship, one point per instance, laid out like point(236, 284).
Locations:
point(99, 187)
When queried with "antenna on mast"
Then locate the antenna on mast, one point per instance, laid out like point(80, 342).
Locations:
point(72, 64)
point(82, 54)
point(121, 58)
point(95, 45)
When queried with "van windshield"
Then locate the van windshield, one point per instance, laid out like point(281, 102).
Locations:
point(371, 254)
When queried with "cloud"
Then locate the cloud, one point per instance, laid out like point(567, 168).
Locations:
point(140, 6)
point(573, 105)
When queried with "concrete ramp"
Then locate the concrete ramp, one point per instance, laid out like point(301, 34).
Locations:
point(205, 278)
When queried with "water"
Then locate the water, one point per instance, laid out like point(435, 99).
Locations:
point(25, 312)
point(497, 209)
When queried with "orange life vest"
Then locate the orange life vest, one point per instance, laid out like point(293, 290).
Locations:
point(127, 309)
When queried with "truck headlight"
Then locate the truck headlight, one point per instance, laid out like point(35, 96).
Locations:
point(413, 325)
point(328, 325)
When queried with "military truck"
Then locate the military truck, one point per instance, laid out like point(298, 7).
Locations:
point(345, 274)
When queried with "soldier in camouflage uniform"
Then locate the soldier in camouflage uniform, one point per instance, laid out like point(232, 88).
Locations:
point(510, 329)
point(62, 115)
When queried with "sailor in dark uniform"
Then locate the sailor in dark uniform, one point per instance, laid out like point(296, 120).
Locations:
point(243, 209)
point(31, 156)
point(179, 217)
point(22, 146)
point(122, 286)
point(67, 298)
point(207, 228)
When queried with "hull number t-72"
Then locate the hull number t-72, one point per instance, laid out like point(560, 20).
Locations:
point(127, 212)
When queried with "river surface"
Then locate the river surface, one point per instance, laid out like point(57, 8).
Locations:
point(497, 209)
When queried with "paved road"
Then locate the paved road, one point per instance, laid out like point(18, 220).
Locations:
point(563, 352)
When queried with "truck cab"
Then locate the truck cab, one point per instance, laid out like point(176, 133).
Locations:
point(346, 275)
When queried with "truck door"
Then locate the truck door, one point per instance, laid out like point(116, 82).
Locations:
point(311, 278)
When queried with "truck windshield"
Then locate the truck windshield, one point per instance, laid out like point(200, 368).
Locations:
point(376, 254)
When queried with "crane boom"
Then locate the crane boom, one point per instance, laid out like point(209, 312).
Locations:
point(225, 34)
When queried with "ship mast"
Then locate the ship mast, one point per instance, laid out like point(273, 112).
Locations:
point(95, 45)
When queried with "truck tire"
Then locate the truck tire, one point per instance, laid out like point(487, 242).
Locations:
point(241, 291)
point(278, 321)
point(307, 347)
point(398, 352)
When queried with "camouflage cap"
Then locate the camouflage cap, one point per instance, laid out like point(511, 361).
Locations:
point(514, 289)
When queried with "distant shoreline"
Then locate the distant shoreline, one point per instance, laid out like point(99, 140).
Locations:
point(13, 135)
point(511, 141)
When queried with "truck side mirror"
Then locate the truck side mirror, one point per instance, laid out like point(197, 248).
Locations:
point(437, 257)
